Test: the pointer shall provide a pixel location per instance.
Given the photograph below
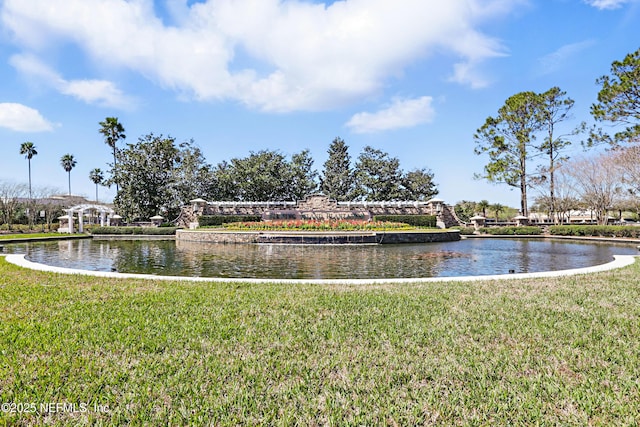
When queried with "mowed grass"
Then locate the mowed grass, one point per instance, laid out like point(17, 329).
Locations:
point(23, 236)
point(523, 352)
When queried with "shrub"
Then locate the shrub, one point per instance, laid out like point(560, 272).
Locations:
point(466, 231)
point(318, 225)
point(512, 231)
point(414, 220)
point(595, 230)
point(218, 220)
point(159, 231)
point(149, 231)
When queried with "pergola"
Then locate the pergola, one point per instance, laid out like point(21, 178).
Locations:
point(106, 214)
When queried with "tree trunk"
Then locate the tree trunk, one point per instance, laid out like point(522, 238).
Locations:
point(29, 179)
point(524, 210)
point(114, 166)
point(552, 195)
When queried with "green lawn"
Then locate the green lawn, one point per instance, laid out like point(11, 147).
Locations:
point(527, 352)
point(35, 235)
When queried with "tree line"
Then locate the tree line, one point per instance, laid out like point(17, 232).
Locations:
point(24, 204)
point(29, 150)
point(157, 174)
point(526, 130)
point(605, 182)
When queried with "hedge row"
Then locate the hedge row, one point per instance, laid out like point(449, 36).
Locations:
point(465, 231)
point(414, 220)
point(216, 220)
point(512, 231)
point(148, 231)
point(595, 230)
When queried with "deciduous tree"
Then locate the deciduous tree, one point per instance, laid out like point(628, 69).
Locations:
point(10, 195)
point(378, 176)
point(261, 176)
point(597, 181)
point(149, 166)
point(193, 176)
point(418, 184)
point(465, 209)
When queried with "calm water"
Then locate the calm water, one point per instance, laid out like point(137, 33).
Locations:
point(463, 258)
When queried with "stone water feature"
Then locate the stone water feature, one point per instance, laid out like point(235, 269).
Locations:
point(318, 206)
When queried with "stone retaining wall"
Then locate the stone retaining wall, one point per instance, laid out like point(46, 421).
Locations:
point(398, 237)
point(319, 207)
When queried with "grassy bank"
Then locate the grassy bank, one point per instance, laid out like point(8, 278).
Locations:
point(39, 237)
point(548, 351)
point(13, 236)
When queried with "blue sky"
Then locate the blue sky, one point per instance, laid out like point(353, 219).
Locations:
point(414, 78)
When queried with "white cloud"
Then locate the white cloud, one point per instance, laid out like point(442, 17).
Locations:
point(274, 55)
point(555, 60)
point(606, 4)
point(400, 114)
point(99, 92)
point(21, 118)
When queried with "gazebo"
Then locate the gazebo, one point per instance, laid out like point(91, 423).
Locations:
point(67, 221)
point(478, 221)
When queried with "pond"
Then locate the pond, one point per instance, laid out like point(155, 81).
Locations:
point(468, 257)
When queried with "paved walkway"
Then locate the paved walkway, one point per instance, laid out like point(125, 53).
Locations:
point(618, 262)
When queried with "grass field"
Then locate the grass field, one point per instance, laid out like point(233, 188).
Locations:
point(81, 350)
point(22, 236)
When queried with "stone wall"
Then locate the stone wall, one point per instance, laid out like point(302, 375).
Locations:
point(319, 207)
point(393, 237)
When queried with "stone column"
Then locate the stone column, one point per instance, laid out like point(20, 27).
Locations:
point(521, 221)
point(70, 222)
point(478, 221)
point(81, 221)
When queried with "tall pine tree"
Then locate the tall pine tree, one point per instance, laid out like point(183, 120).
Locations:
point(338, 177)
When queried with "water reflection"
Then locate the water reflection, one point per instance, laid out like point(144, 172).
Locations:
point(466, 257)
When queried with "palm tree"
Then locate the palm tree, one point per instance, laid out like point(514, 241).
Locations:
point(483, 204)
point(113, 132)
point(29, 150)
point(97, 177)
point(68, 162)
point(497, 208)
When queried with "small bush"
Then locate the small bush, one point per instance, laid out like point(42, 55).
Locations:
point(595, 230)
point(512, 231)
point(466, 231)
point(113, 230)
point(317, 225)
point(414, 220)
point(159, 231)
point(218, 220)
point(149, 231)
